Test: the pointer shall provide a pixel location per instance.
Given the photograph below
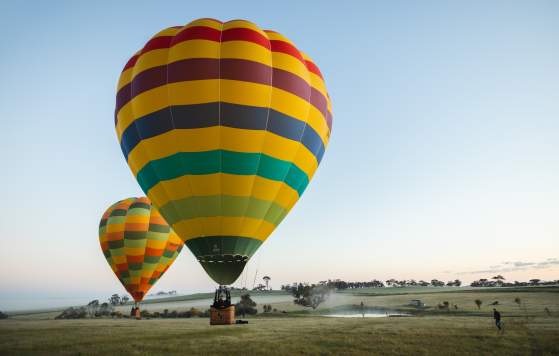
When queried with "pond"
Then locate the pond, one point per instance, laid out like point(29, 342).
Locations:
point(376, 314)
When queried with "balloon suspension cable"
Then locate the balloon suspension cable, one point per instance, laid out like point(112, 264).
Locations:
point(222, 298)
point(256, 273)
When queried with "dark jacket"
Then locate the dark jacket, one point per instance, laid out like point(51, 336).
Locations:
point(496, 315)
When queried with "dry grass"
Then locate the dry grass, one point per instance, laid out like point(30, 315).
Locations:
point(529, 331)
point(307, 335)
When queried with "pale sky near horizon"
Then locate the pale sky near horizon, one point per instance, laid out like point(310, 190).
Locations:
point(443, 161)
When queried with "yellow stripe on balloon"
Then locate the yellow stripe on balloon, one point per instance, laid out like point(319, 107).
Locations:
point(227, 184)
point(182, 93)
point(156, 244)
point(290, 64)
point(117, 260)
point(150, 59)
point(253, 228)
point(245, 93)
point(216, 137)
point(169, 31)
point(232, 91)
point(246, 50)
point(239, 23)
point(194, 49)
point(140, 218)
point(205, 22)
point(134, 251)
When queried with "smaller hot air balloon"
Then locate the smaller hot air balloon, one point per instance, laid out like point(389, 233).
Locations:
point(138, 244)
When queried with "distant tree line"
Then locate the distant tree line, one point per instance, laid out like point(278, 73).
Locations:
point(339, 284)
point(496, 281)
point(94, 309)
point(162, 293)
point(499, 281)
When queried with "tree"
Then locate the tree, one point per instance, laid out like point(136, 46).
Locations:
point(267, 280)
point(457, 282)
point(391, 282)
point(437, 283)
point(92, 307)
point(498, 279)
point(245, 306)
point(3, 315)
point(124, 299)
point(114, 299)
point(518, 301)
point(535, 281)
point(478, 303)
point(310, 295)
point(104, 309)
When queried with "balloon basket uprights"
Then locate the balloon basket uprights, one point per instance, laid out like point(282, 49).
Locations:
point(222, 312)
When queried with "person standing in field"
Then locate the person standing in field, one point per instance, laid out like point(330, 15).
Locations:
point(362, 309)
point(497, 317)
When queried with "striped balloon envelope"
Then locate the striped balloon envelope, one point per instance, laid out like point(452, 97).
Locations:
point(223, 125)
point(138, 244)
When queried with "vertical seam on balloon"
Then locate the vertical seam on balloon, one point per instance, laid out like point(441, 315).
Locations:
point(124, 244)
point(220, 174)
point(264, 134)
point(121, 278)
point(188, 185)
point(144, 234)
point(149, 235)
point(294, 156)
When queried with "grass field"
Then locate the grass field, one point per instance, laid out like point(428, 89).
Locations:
point(529, 329)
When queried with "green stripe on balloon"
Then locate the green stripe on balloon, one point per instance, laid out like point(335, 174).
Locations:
point(222, 205)
point(223, 257)
point(216, 161)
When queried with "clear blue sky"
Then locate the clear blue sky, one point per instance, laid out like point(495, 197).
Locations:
point(444, 157)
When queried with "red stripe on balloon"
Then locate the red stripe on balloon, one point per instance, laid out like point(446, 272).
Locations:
point(245, 34)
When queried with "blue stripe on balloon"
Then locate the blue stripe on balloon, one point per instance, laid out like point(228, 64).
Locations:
point(232, 115)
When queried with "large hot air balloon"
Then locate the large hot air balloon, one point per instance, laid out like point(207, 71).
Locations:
point(223, 125)
point(138, 244)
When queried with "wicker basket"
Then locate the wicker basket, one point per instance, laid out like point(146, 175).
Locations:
point(225, 316)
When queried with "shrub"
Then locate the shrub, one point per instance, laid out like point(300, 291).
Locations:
point(245, 306)
point(310, 295)
point(73, 313)
point(194, 312)
point(478, 303)
point(205, 314)
point(144, 313)
point(3, 315)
